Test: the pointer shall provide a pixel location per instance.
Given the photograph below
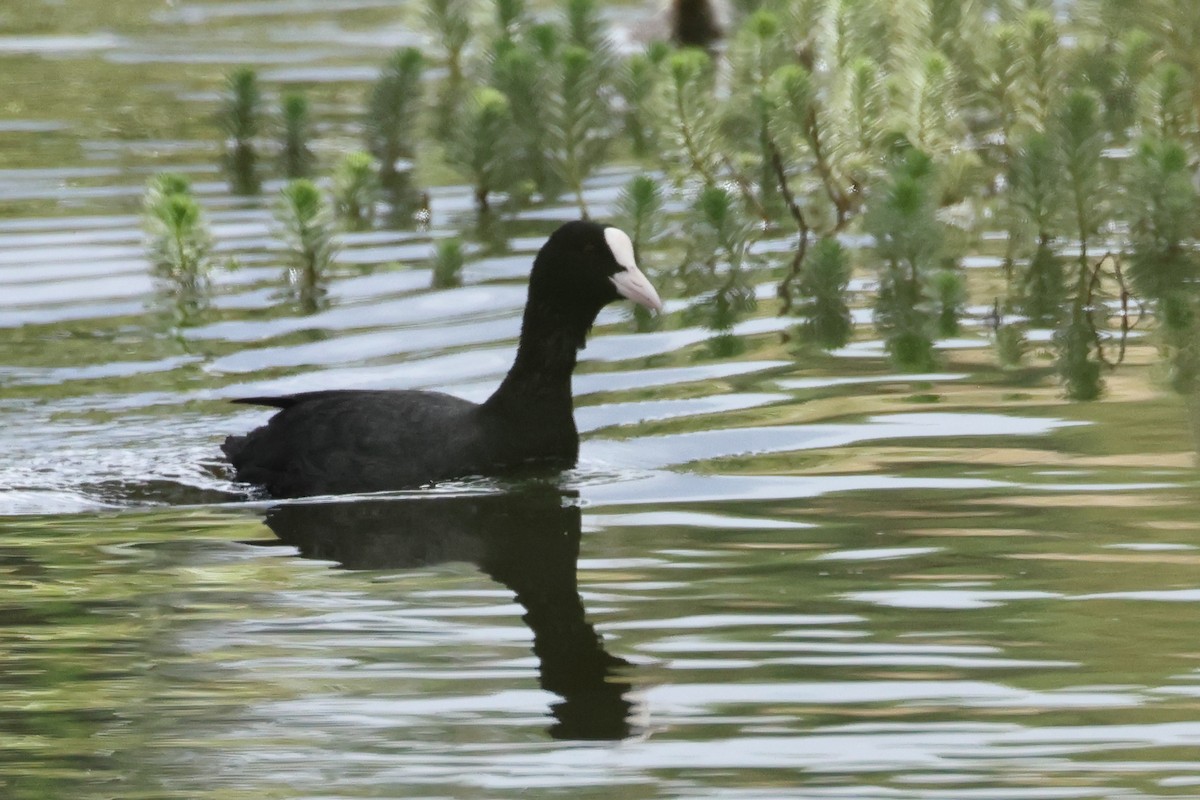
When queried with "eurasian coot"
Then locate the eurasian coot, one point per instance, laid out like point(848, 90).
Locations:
point(342, 441)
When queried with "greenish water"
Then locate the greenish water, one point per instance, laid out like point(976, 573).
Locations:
point(778, 574)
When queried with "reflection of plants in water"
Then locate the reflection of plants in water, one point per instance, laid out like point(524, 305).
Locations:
point(178, 243)
point(448, 263)
point(296, 155)
point(307, 232)
point(240, 115)
point(356, 189)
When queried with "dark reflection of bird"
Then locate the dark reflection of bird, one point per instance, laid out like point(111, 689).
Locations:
point(527, 539)
point(336, 442)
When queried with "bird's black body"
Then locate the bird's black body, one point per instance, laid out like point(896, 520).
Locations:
point(335, 442)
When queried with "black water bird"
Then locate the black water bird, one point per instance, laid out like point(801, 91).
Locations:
point(527, 540)
point(344, 441)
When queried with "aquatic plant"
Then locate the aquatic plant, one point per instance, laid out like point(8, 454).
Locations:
point(908, 244)
point(240, 118)
point(522, 74)
point(295, 154)
point(178, 242)
point(448, 262)
point(949, 293)
point(450, 23)
point(1034, 202)
point(307, 234)
point(356, 189)
point(1163, 210)
point(1042, 67)
point(823, 283)
point(640, 213)
point(580, 126)
point(717, 267)
point(393, 111)
point(512, 19)
point(1010, 342)
point(943, 118)
point(480, 147)
point(588, 31)
point(638, 83)
point(1080, 141)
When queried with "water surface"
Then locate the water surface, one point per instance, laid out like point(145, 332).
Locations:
point(778, 574)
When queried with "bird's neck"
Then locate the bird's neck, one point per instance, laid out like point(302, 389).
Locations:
point(539, 382)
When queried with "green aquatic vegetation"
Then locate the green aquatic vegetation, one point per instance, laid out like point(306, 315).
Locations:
point(356, 189)
point(692, 146)
point(240, 119)
point(523, 76)
point(479, 150)
point(638, 83)
point(949, 292)
point(944, 119)
point(1077, 365)
point(1044, 288)
point(640, 213)
point(1010, 343)
point(178, 242)
point(1161, 207)
point(310, 245)
point(1166, 111)
point(1033, 207)
point(929, 116)
point(450, 23)
point(756, 53)
point(717, 267)
point(1041, 68)
point(1124, 72)
point(588, 31)
point(448, 260)
point(908, 245)
point(580, 128)
point(512, 19)
point(295, 154)
point(1081, 143)
point(1000, 90)
point(394, 111)
point(1163, 210)
point(822, 285)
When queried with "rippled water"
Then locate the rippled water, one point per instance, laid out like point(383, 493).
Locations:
point(781, 574)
